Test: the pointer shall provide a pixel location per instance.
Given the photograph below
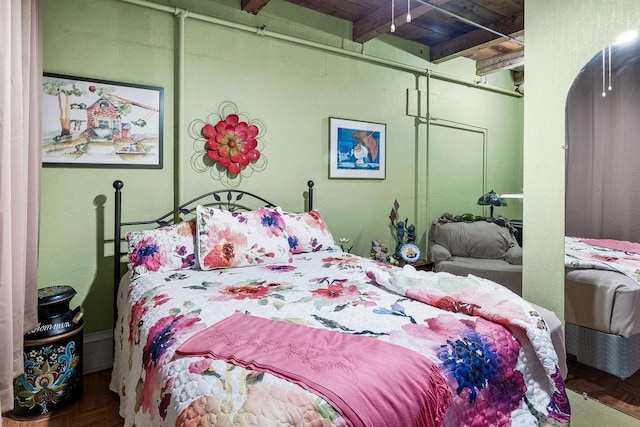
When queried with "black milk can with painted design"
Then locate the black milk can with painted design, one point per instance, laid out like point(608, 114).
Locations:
point(52, 356)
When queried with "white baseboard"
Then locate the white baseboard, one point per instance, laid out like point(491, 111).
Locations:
point(97, 352)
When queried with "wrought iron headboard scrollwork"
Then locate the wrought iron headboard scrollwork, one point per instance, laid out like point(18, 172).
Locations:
point(228, 199)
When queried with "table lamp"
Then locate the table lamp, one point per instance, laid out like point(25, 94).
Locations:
point(491, 199)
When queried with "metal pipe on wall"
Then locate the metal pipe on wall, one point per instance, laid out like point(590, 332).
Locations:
point(177, 185)
point(435, 121)
point(338, 50)
point(452, 124)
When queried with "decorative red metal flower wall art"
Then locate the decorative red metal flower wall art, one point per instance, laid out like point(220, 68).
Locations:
point(232, 145)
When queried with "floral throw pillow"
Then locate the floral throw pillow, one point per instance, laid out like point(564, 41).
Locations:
point(308, 232)
point(163, 249)
point(239, 239)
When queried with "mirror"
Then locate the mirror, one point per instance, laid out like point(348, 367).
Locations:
point(602, 217)
point(603, 140)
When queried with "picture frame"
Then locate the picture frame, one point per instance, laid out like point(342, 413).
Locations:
point(357, 149)
point(101, 123)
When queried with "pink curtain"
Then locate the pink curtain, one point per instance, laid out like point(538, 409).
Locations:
point(603, 135)
point(20, 136)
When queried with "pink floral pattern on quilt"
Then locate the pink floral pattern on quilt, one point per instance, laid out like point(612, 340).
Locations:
point(470, 359)
point(239, 239)
point(494, 377)
point(162, 249)
point(308, 232)
point(469, 356)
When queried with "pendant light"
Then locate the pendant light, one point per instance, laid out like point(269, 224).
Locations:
point(393, 11)
point(606, 58)
point(604, 70)
point(609, 67)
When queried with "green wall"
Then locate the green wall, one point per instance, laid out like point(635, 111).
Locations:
point(562, 36)
point(294, 89)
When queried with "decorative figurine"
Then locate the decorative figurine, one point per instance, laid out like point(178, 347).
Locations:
point(379, 251)
point(410, 253)
point(400, 231)
point(407, 251)
point(411, 234)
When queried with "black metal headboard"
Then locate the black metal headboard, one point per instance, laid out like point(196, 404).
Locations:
point(232, 200)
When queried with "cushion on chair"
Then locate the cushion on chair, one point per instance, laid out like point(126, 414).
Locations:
point(514, 255)
point(438, 253)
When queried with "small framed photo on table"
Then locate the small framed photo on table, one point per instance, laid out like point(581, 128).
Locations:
point(357, 149)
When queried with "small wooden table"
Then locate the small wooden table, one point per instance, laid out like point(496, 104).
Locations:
point(421, 265)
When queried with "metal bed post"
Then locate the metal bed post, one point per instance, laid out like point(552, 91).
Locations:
point(117, 185)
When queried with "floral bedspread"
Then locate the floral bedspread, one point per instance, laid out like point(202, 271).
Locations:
point(580, 254)
point(494, 372)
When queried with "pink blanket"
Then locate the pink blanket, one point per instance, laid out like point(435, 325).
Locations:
point(618, 245)
point(370, 382)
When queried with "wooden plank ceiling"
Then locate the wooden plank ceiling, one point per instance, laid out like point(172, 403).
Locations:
point(446, 34)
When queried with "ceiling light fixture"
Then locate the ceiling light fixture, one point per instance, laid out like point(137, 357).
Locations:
point(408, 10)
point(609, 87)
point(604, 70)
point(393, 10)
point(623, 38)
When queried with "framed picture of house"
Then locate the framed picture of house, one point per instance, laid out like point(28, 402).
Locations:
point(356, 149)
point(100, 123)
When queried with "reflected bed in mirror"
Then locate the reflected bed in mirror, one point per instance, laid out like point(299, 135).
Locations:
point(602, 293)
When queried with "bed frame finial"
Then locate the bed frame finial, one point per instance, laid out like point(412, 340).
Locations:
point(310, 185)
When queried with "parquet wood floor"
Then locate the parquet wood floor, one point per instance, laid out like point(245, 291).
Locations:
point(606, 388)
point(98, 407)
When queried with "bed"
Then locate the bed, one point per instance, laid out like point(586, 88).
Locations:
point(217, 324)
point(602, 304)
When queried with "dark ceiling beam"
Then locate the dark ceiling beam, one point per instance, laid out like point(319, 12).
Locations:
point(501, 7)
point(512, 26)
point(379, 21)
point(253, 6)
